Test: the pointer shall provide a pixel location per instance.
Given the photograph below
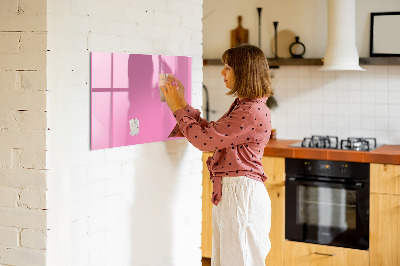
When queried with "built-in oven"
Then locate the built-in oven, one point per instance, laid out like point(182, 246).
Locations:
point(327, 202)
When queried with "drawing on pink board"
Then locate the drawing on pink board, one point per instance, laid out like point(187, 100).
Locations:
point(127, 107)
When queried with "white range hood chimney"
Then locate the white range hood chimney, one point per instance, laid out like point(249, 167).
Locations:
point(341, 51)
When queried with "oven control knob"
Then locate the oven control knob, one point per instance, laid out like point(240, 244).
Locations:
point(308, 166)
point(343, 168)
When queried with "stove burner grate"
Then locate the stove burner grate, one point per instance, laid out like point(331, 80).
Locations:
point(327, 142)
point(332, 142)
point(358, 144)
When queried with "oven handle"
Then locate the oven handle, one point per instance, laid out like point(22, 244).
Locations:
point(357, 185)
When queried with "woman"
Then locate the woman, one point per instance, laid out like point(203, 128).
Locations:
point(242, 209)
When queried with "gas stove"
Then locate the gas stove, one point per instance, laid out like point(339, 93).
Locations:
point(332, 142)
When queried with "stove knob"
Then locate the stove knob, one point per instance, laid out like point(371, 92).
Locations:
point(343, 168)
point(308, 166)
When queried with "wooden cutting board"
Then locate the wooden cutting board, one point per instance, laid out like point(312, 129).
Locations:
point(239, 35)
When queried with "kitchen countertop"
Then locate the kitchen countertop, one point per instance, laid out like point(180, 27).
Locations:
point(389, 154)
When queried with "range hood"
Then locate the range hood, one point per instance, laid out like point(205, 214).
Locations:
point(341, 51)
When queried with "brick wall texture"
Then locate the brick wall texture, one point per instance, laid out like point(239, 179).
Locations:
point(23, 121)
point(61, 203)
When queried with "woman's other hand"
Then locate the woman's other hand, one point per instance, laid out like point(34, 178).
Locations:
point(173, 94)
point(181, 91)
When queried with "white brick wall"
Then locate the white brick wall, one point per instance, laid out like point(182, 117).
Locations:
point(134, 205)
point(9, 237)
point(11, 256)
point(34, 239)
point(100, 204)
point(8, 197)
point(23, 126)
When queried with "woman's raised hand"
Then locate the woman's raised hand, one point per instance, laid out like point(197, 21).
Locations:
point(174, 94)
point(181, 91)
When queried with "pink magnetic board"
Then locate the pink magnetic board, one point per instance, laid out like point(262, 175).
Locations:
point(126, 107)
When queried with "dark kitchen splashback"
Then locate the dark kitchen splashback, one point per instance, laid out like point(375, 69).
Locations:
point(332, 142)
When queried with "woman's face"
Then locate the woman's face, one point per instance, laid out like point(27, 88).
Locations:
point(229, 76)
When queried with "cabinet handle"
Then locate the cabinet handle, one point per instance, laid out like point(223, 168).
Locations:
point(324, 254)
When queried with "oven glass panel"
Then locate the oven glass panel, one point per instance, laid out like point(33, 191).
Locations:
point(326, 207)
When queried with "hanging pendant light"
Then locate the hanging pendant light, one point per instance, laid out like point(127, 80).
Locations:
point(341, 51)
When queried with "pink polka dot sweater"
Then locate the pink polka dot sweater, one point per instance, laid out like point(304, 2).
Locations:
point(238, 139)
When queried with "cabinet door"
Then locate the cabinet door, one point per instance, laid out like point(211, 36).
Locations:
point(385, 178)
point(384, 230)
point(304, 254)
point(277, 233)
point(206, 232)
point(274, 168)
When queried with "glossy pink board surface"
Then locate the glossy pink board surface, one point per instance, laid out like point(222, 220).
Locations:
point(125, 90)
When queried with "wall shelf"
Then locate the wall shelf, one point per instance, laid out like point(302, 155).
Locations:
point(380, 61)
point(274, 63)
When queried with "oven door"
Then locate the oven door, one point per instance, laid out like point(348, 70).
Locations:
point(327, 213)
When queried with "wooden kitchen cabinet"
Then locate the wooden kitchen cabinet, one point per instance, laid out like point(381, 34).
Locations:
point(277, 233)
point(206, 225)
point(384, 215)
point(274, 168)
point(384, 236)
point(385, 178)
point(305, 254)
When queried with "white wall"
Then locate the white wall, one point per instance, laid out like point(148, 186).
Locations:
point(313, 102)
point(306, 19)
point(344, 103)
point(23, 133)
point(134, 205)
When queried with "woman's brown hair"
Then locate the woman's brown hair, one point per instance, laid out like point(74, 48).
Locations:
point(250, 66)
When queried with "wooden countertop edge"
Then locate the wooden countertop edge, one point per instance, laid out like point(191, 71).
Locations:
point(386, 154)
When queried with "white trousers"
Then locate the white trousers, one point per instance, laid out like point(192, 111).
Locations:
point(241, 223)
